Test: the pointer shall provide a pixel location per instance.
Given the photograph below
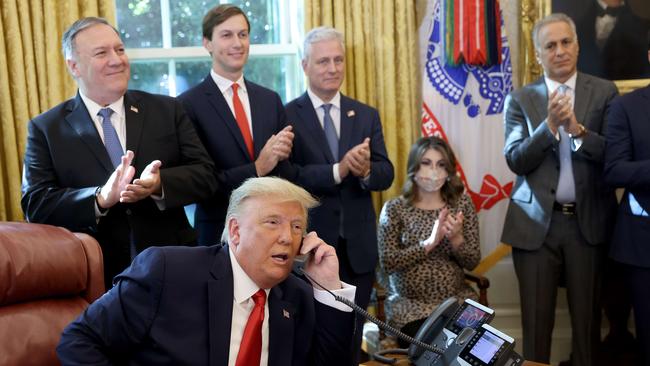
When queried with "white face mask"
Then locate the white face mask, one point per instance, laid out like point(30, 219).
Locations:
point(430, 180)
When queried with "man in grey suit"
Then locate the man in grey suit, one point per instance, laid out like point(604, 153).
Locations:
point(559, 218)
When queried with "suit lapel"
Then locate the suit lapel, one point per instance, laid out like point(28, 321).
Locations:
point(218, 102)
point(281, 325)
point(538, 99)
point(80, 121)
point(220, 309)
point(134, 112)
point(583, 94)
point(257, 114)
point(309, 118)
point(347, 124)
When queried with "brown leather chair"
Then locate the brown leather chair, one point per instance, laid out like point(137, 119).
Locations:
point(48, 276)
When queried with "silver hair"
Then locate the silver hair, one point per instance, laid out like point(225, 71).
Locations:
point(274, 187)
point(552, 18)
point(320, 34)
point(67, 41)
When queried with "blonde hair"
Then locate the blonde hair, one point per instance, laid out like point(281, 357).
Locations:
point(277, 188)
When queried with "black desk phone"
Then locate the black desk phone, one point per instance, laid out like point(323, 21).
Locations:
point(462, 332)
point(455, 334)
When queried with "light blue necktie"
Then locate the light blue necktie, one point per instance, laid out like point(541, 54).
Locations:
point(566, 190)
point(111, 141)
point(330, 132)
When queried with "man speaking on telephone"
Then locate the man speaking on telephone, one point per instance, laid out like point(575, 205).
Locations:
point(236, 304)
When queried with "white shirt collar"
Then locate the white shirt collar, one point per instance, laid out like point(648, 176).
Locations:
point(245, 287)
point(225, 84)
point(93, 108)
point(317, 102)
point(551, 85)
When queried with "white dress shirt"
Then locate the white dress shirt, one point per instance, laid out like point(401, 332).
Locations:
point(243, 305)
point(225, 85)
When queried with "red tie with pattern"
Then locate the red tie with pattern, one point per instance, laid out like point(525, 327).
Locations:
point(242, 120)
point(250, 349)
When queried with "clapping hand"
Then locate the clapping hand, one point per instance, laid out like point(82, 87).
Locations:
point(109, 195)
point(149, 183)
point(277, 148)
point(437, 232)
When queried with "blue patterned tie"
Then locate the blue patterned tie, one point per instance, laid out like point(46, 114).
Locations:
point(330, 132)
point(566, 190)
point(111, 141)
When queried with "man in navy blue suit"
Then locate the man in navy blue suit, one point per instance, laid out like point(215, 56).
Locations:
point(627, 165)
point(242, 124)
point(236, 304)
point(339, 156)
point(82, 155)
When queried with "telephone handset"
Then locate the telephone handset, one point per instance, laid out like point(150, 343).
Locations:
point(433, 326)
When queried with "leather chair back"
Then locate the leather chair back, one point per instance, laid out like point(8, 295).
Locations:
point(48, 276)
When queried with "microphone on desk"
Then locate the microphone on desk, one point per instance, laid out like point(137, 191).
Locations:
point(384, 326)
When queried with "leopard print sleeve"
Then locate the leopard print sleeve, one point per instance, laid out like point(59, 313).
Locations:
point(394, 255)
point(469, 254)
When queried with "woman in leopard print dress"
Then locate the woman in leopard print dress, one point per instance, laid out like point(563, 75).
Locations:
point(426, 237)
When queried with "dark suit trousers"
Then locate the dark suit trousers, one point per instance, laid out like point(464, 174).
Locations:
point(638, 279)
point(565, 255)
point(363, 282)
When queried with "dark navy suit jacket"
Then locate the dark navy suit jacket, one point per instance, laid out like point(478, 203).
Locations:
point(65, 162)
point(312, 159)
point(173, 306)
point(219, 132)
point(627, 165)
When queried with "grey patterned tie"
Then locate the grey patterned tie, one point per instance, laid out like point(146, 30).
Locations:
point(566, 190)
point(330, 132)
point(111, 141)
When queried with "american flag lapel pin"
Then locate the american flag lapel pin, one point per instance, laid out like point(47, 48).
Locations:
point(134, 109)
point(351, 113)
point(285, 313)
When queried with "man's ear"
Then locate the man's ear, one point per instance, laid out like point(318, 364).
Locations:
point(207, 44)
point(233, 232)
point(304, 65)
point(72, 67)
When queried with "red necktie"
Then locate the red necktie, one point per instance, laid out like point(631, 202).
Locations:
point(250, 348)
point(242, 120)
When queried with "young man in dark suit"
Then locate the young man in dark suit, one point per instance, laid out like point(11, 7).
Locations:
point(560, 214)
point(242, 125)
point(236, 304)
point(627, 165)
point(339, 156)
point(83, 154)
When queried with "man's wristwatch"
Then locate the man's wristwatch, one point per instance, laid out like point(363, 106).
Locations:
point(98, 191)
point(581, 132)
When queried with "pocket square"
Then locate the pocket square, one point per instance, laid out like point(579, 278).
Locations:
point(635, 206)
